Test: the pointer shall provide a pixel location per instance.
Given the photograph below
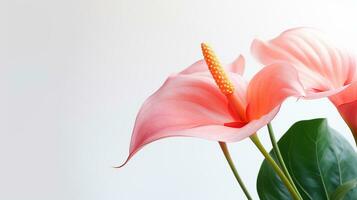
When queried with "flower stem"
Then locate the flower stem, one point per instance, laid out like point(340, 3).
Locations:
point(276, 168)
point(233, 168)
point(280, 157)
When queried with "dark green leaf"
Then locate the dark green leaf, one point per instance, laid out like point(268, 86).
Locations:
point(317, 157)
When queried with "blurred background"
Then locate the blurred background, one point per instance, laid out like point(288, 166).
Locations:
point(74, 73)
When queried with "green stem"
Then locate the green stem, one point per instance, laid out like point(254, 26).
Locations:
point(276, 168)
point(280, 157)
point(233, 168)
point(276, 149)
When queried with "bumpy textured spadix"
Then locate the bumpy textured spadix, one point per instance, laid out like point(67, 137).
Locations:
point(217, 71)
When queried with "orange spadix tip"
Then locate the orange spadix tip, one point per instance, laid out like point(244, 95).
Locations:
point(216, 69)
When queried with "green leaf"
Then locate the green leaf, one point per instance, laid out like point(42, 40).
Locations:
point(343, 189)
point(319, 160)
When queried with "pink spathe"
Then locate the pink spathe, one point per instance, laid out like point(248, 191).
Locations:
point(190, 104)
point(324, 70)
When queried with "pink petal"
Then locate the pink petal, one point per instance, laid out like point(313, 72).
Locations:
point(237, 66)
point(190, 105)
point(270, 87)
point(323, 69)
point(321, 66)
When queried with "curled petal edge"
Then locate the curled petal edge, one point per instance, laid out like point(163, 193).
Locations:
point(219, 133)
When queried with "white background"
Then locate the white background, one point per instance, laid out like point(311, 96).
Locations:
point(73, 74)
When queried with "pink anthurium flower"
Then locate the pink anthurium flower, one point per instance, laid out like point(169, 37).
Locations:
point(324, 70)
point(190, 104)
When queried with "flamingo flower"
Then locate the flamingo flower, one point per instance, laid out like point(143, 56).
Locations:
point(323, 69)
point(206, 101)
